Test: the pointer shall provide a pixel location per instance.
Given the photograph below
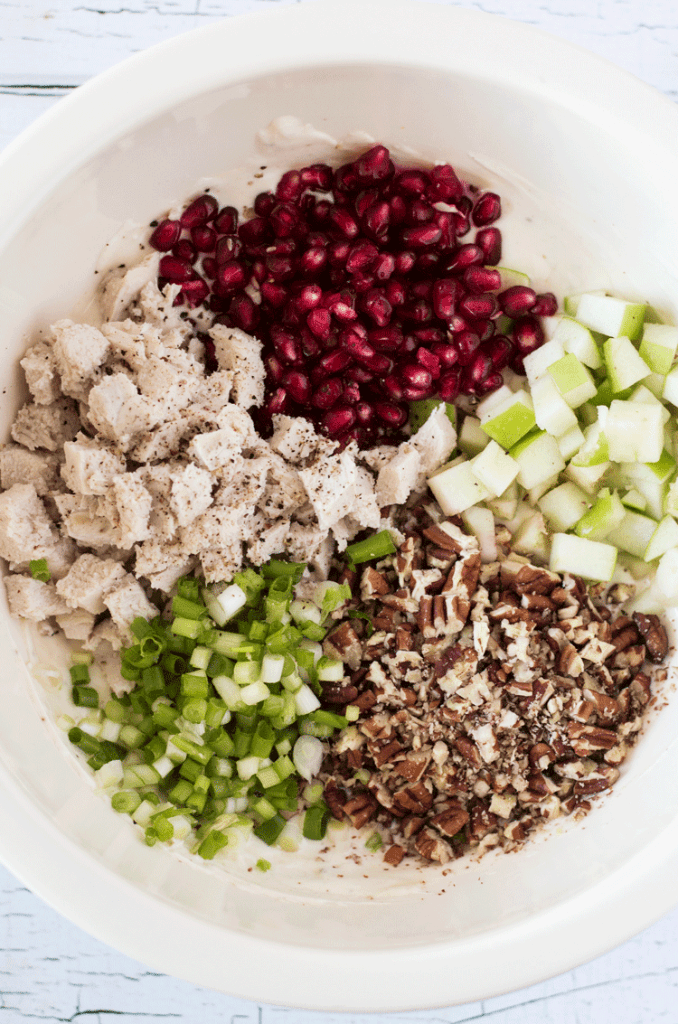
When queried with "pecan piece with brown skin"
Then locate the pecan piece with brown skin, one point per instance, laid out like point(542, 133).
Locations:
point(624, 637)
point(468, 750)
point(394, 855)
point(630, 657)
point(382, 755)
point(360, 809)
point(335, 694)
point(654, 635)
point(532, 580)
point(570, 662)
point(344, 643)
point(541, 755)
point(404, 639)
point(452, 819)
point(482, 821)
point(413, 799)
point(372, 583)
point(412, 825)
point(640, 688)
point(431, 847)
point(365, 701)
point(333, 799)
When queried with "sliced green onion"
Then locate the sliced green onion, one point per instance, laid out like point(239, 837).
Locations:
point(315, 822)
point(211, 845)
point(263, 865)
point(377, 546)
point(85, 697)
point(40, 570)
point(374, 842)
point(269, 831)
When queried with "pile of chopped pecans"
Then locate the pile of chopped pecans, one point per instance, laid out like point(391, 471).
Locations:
point(492, 697)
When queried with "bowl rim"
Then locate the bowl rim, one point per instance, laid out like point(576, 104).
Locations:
point(103, 903)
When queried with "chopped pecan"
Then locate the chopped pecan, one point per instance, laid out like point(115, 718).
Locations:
point(530, 579)
point(365, 701)
point(481, 821)
point(541, 755)
point(630, 657)
point(344, 643)
point(383, 754)
point(411, 825)
point(337, 694)
point(451, 820)
point(654, 635)
point(394, 855)
point(641, 688)
point(586, 738)
point(404, 639)
point(360, 809)
point(333, 799)
point(570, 662)
point(431, 847)
point(413, 799)
point(386, 619)
point(373, 582)
point(624, 638)
point(468, 750)
point(413, 766)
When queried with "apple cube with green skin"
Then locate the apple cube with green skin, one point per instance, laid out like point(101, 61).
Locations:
point(663, 538)
point(537, 363)
point(531, 538)
point(511, 420)
point(634, 432)
point(666, 578)
point(610, 316)
point(536, 492)
point(495, 469)
point(655, 382)
point(591, 559)
point(538, 457)
point(671, 499)
point(670, 389)
point(564, 506)
point(623, 364)
point(510, 278)
point(606, 515)
point(643, 395)
point(506, 505)
point(571, 302)
point(578, 340)
point(551, 411)
point(472, 438)
point(633, 534)
point(573, 380)
point(639, 569)
point(570, 442)
point(455, 488)
point(634, 500)
point(493, 401)
point(587, 477)
point(595, 450)
point(658, 347)
point(421, 410)
point(480, 522)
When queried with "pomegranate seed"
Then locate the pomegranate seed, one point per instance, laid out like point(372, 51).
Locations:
point(329, 392)
point(346, 179)
point(309, 297)
point(383, 266)
point(265, 203)
point(466, 343)
point(420, 311)
point(546, 305)
point(376, 220)
point(421, 290)
point(297, 385)
point(466, 256)
point(447, 355)
point(478, 307)
point(489, 240)
point(254, 231)
point(516, 364)
point(364, 413)
point(226, 221)
point(491, 383)
point(392, 387)
point(362, 282)
point(231, 275)
point(457, 323)
point(289, 187)
point(310, 345)
point(274, 368)
point(395, 292)
point(165, 235)
point(375, 304)
point(419, 212)
point(337, 253)
point(484, 329)
point(429, 335)
point(244, 313)
point(340, 304)
point(481, 279)
point(375, 165)
point(427, 234)
point(209, 267)
point(449, 385)
point(393, 415)
point(185, 250)
point(321, 212)
point(317, 176)
point(360, 375)
point(228, 248)
point(280, 268)
point(333, 362)
point(319, 321)
point(479, 369)
point(411, 182)
point(446, 294)
point(414, 394)
point(313, 261)
point(284, 220)
point(361, 256)
point(274, 294)
point(287, 346)
point(175, 270)
point(444, 185)
point(387, 339)
point(416, 375)
point(499, 349)
point(487, 209)
point(528, 335)
point(343, 222)
point(351, 393)
point(259, 271)
point(200, 211)
point(398, 208)
point(337, 420)
point(404, 262)
point(204, 238)
point(517, 301)
point(429, 361)
point(448, 227)
point(278, 402)
point(194, 292)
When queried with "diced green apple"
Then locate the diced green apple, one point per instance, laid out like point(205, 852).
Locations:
point(510, 278)
point(570, 442)
point(633, 534)
point(551, 411)
point(578, 340)
point(587, 477)
point(650, 602)
point(422, 409)
point(671, 499)
point(655, 383)
point(573, 380)
point(643, 395)
point(611, 316)
point(606, 515)
point(505, 506)
point(537, 363)
point(538, 457)
point(595, 450)
point(571, 302)
point(670, 389)
point(658, 347)
point(564, 506)
point(663, 538)
point(531, 537)
point(493, 401)
point(495, 469)
point(666, 579)
point(588, 558)
point(511, 420)
point(456, 488)
point(634, 432)
point(480, 522)
point(638, 568)
point(472, 439)
point(536, 492)
point(634, 500)
point(623, 364)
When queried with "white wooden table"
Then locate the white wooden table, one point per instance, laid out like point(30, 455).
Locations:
point(50, 971)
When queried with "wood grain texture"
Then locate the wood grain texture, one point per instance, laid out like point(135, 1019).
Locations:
point(51, 971)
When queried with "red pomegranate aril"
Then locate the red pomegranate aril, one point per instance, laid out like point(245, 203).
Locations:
point(229, 247)
point(467, 255)
point(313, 261)
point(334, 361)
point(383, 266)
point(297, 385)
point(317, 176)
point(499, 349)
point(429, 361)
point(446, 293)
point(386, 339)
point(361, 256)
point(527, 335)
point(254, 231)
point(204, 238)
point(200, 211)
point(289, 349)
point(479, 369)
point(444, 186)
point(448, 227)
point(194, 292)
point(343, 222)
point(337, 253)
point(310, 345)
point(419, 311)
point(166, 235)
point(327, 394)
point(209, 267)
point(410, 345)
point(185, 250)
point(265, 203)
point(374, 165)
point(362, 282)
point(232, 275)
point(280, 268)
point(411, 182)
point(289, 187)
point(516, 364)
point(415, 394)
point(364, 413)
point(466, 343)
point(447, 355)
point(308, 298)
point(419, 212)
point(429, 335)
point(491, 383)
point(259, 271)
point(398, 209)
point(274, 294)
point(485, 329)
point(419, 237)
point(457, 323)
point(244, 313)
point(517, 301)
point(176, 271)
point(391, 386)
point(481, 279)
point(546, 305)
point(337, 420)
point(489, 240)
point(395, 292)
point(394, 415)
point(415, 375)
point(319, 322)
point(478, 307)
point(351, 393)
point(376, 220)
point(284, 220)
point(359, 375)
point(346, 179)
point(487, 209)
point(274, 368)
point(421, 290)
point(449, 385)
point(320, 213)
point(375, 304)
point(226, 221)
point(404, 262)
point(278, 402)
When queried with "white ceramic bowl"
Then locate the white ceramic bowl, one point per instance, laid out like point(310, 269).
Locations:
point(576, 136)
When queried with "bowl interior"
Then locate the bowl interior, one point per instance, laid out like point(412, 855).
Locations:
point(583, 211)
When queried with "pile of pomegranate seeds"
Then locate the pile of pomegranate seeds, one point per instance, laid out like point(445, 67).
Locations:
point(361, 288)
